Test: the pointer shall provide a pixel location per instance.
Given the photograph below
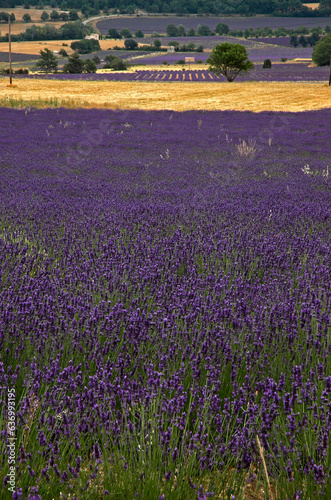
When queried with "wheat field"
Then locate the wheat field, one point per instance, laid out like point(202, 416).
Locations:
point(251, 96)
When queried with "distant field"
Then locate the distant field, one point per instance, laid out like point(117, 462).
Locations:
point(4, 57)
point(34, 47)
point(184, 96)
point(312, 5)
point(159, 24)
point(19, 26)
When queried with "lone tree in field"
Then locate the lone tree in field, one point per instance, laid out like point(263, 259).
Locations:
point(229, 59)
point(322, 51)
point(47, 61)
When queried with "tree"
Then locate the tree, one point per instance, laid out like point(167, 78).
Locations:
point(44, 16)
point(26, 18)
point(303, 41)
point(89, 66)
point(4, 17)
point(73, 15)
point(85, 46)
point(181, 30)
point(54, 15)
point(222, 29)
point(125, 33)
point(115, 63)
point(172, 30)
point(229, 59)
point(47, 61)
point(294, 41)
point(157, 43)
point(12, 17)
point(74, 64)
point(191, 32)
point(322, 51)
point(113, 33)
point(64, 16)
point(204, 30)
point(139, 34)
point(96, 59)
point(313, 38)
point(130, 44)
point(63, 53)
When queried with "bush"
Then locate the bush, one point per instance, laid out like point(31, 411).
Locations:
point(139, 34)
point(283, 59)
point(266, 63)
point(200, 48)
point(181, 61)
point(63, 53)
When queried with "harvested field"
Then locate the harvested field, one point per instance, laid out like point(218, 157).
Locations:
point(252, 96)
point(34, 47)
point(20, 27)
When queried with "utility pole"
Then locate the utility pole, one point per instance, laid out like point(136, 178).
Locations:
point(9, 38)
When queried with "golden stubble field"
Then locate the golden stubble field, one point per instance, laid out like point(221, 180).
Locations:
point(181, 96)
point(35, 47)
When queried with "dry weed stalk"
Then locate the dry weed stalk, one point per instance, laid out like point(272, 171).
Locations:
point(264, 466)
point(34, 403)
point(246, 149)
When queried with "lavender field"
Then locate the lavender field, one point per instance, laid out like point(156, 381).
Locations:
point(165, 304)
point(150, 24)
point(278, 72)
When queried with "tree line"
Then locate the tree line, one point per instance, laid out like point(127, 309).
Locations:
point(69, 31)
point(212, 7)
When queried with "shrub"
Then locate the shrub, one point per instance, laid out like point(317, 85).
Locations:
point(266, 63)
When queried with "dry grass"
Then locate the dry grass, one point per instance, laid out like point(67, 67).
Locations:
point(34, 47)
point(179, 96)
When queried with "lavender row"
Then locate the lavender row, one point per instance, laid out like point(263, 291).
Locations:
point(278, 72)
